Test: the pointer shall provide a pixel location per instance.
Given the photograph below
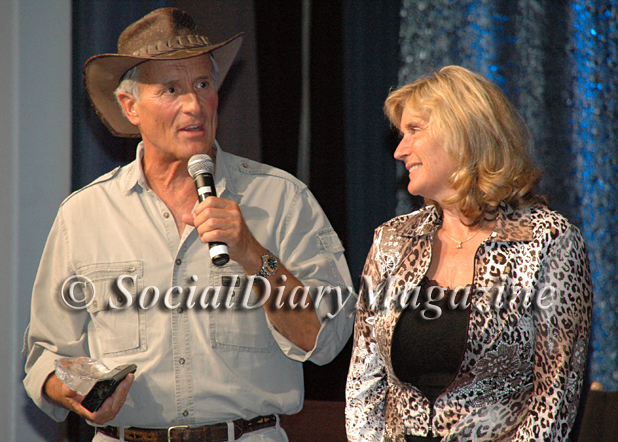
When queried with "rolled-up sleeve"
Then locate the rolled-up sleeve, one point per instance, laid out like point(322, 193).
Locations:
point(312, 251)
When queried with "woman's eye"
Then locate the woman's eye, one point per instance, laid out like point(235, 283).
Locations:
point(171, 90)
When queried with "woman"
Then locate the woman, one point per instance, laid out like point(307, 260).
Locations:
point(474, 312)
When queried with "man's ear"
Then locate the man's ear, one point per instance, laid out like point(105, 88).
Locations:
point(129, 106)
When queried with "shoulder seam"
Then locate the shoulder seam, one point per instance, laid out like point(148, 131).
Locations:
point(103, 178)
point(250, 167)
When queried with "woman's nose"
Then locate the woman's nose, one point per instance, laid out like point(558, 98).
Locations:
point(402, 150)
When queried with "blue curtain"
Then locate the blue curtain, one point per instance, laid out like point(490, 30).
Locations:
point(96, 27)
point(370, 71)
point(558, 62)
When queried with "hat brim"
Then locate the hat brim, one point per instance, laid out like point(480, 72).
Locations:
point(102, 74)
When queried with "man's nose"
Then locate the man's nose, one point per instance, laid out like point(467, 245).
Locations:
point(191, 103)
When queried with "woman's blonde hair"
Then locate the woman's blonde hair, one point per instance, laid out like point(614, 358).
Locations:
point(481, 131)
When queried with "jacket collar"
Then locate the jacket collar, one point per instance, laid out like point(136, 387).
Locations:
point(511, 224)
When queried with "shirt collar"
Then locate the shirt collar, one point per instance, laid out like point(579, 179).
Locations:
point(136, 177)
point(223, 171)
point(511, 224)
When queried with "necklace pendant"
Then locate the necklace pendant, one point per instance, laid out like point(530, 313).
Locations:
point(458, 245)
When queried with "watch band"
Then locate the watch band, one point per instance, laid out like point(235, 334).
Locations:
point(269, 266)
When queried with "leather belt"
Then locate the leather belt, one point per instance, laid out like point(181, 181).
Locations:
point(184, 433)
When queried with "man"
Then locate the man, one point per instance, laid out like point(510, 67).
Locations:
point(212, 362)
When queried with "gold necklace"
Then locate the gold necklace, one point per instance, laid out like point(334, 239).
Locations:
point(459, 243)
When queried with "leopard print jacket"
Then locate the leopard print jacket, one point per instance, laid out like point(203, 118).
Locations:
point(528, 333)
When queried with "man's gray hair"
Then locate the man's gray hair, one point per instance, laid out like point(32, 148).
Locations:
point(129, 83)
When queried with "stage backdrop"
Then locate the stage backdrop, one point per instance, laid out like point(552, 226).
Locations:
point(555, 59)
point(558, 62)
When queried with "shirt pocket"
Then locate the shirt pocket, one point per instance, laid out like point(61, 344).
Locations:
point(238, 328)
point(119, 322)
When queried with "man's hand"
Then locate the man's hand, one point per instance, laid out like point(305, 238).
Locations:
point(220, 220)
point(59, 393)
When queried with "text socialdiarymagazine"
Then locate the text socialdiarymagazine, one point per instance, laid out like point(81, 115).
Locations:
point(151, 295)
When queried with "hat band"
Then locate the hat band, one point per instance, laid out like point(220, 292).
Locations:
point(173, 44)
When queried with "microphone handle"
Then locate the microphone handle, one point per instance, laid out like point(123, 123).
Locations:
point(205, 185)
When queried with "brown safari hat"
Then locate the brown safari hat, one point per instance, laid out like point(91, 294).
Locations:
point(164, 34)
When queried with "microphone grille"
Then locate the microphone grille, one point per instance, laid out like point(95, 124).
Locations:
point(200, 163)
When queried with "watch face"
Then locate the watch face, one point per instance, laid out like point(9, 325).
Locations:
point(272, 262)
point(269, 266)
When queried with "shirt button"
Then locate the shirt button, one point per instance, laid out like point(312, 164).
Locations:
point(185, 413)
point(179, 309)
point(94, 304)
point(166, 214)
point(178, 261)
point(181, 361)
point(245, 165)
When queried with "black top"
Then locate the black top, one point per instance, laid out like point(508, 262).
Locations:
point(429, 341)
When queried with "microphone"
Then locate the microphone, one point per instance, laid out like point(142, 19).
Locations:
point(201, 168)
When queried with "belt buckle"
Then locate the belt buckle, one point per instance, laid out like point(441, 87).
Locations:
point(175, 427)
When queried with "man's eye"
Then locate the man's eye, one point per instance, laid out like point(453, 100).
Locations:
point(202, 85)
point(170, 90)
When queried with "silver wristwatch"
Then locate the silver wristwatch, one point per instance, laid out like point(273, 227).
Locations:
point(269, 266)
